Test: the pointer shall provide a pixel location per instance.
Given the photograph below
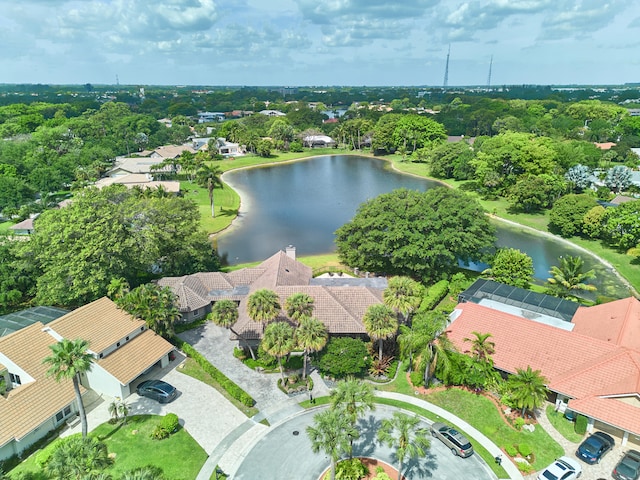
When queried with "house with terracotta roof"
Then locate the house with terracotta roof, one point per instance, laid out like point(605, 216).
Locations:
point(592, 364)
point(123, 349)
point(339, 302)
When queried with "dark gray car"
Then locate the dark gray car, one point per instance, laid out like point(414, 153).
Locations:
point(457, 443)
point(157, 390)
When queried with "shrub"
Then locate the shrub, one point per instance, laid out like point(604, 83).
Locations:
point(417, 379)
point(581, 424)
point(436, 293)
point(344, 356)
point(352, 469)
point(511, 450)
point(170, 422)
point(232, 389)
point(519, 423)
point(525, 467)
point(159, 433)
point(525, 449)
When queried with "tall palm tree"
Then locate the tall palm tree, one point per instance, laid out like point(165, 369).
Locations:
point(209, 176)
point(354, 398)
point(311, 336)
point(278, 341)
point(330, 433)
point(224, 313)
point(528, 389)
point(155, 305)
point(481, 347)
point(404, 295)
point(263, 305)
point(298, 306)
point(70, 359)
point(381, 323)
point(569, 277)
point(402, 433)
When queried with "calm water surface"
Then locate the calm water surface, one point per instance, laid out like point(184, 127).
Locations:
point(303, 203)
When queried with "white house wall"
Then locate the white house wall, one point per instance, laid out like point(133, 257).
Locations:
point(103, 383)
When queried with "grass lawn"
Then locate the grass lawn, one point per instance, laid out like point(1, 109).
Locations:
point(4, 226)
point(484, 416)
point(190, 367)
point(179, 456)
point(562, 425)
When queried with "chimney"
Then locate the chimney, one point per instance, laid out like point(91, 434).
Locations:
point(291, 251)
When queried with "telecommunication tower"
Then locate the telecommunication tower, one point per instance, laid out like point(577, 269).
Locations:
point(489, 77)
point(446, 69)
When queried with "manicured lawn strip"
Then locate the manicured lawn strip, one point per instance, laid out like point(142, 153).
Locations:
point(193, 369)
point(565, 427)
point(4, 226)
point(225, 200)
point(179, 456)
point(477, 447)
point(484, 416)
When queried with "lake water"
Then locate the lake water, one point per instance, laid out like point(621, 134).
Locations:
point(303, 203)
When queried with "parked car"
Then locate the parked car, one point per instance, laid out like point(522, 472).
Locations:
point(629, 467)
point(457, 443)
point(595, 447)
point(157, 390)
point(564, 468)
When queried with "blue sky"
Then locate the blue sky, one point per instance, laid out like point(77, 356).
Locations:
point(319, 42)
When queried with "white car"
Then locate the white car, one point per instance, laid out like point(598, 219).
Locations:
point(564, 468)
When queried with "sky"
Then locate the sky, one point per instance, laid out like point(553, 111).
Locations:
point(320, 42)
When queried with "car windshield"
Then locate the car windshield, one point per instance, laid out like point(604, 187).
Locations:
point(589, 447)
point(548, 475)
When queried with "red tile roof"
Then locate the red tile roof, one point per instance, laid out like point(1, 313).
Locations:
point(597, 364)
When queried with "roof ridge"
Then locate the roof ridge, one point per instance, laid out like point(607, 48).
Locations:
point(626, 320)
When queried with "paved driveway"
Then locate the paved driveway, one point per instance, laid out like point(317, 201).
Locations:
point(280, 453)
point(204, 413)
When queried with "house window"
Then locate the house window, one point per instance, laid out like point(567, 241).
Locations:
point(195, 312)
point(62, 414)
point(15, 379)
point(59, 417)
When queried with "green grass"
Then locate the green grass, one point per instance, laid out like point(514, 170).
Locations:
point(193, 369)
point(179, 456)
point(484, 416)
point(4, 226)
point(565, 427)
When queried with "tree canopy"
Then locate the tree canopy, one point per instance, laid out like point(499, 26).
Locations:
point(418, 234)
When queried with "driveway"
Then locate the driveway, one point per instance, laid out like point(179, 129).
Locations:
point(281, 453)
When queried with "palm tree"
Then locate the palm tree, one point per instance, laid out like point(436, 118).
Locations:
point(528, 389)
point(149, 472)
point(404, 295)
point(278, 341)
point(569, 277)
point(77, 457)
point(381, 323)
point(298, 306)
point(209, 176)
point(311, 336)
point(263, 305)
point(224, 313)
point(402, 433)
point(330, 433)
point(354, 398)
point(155, 305)
point(70, 359)
point(481, 347)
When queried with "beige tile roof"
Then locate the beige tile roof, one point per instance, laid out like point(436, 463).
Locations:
point(29, 405)
point(134, 357)
point(101, 323)
point(173, 151)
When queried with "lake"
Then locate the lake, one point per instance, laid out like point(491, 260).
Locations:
point(303, 203)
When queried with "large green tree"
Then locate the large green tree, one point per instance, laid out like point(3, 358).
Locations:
point(420, 234)
point(114, 233)
point(403, 433)
point(567, 214)
point(69, 359)
point(156, 305)
point(512, 267)
point(621, 225)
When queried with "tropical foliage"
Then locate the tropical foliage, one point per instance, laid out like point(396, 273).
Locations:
point(404, 434)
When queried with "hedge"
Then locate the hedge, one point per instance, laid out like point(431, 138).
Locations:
point(234, 390)
point(581, 424)
point(436, 293)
